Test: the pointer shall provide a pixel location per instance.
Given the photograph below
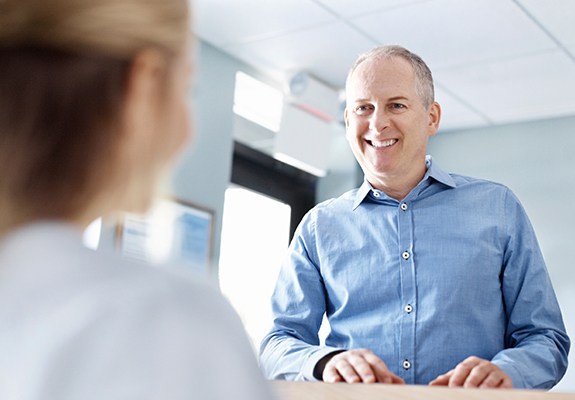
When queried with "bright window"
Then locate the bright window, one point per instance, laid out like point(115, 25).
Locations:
point(258, 102)
point(255, 236)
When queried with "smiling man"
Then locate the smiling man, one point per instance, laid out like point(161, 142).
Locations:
point(425, 277)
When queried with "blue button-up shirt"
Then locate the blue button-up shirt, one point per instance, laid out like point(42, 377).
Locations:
point(453, 270)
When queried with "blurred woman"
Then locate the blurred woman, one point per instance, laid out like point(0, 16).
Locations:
point(92, 112)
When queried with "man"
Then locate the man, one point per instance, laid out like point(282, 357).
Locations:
point(425, 277)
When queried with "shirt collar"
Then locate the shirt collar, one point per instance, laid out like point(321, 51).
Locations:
point(362, 193)
point(437, 173)
point(433, 171)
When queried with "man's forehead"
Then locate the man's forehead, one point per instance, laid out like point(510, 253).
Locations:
point(394, 76)
point(375, 65)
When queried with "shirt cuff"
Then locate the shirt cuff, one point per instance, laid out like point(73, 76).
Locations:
point(516, 378)
point(307, 371)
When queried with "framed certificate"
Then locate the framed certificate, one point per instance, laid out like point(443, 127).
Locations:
point(174, 232)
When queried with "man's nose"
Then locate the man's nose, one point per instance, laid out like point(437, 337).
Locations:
point(379, 121)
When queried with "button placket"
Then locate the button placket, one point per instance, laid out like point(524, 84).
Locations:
point(408, 290)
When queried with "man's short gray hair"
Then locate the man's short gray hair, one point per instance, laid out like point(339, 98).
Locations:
point(424, 79)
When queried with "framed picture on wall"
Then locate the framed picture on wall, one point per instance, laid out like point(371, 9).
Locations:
point(173, 232)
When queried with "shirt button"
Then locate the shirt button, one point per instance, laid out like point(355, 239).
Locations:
point(405, 255)
point(406, 364)
point(408, 308)
point(403, 206)
point(376, 194)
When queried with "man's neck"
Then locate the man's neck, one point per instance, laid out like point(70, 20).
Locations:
point(398, 187)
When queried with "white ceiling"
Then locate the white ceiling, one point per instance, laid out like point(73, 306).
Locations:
point(494, 61)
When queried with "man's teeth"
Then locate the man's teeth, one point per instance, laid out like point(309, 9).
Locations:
point(385, 143)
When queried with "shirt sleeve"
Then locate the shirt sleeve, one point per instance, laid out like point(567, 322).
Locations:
point(536, 342)
point(291, 349)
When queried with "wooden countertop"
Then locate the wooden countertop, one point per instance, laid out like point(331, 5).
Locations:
point(343, 391)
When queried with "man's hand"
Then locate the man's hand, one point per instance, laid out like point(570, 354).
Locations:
point(474, 372)
point(354, 366)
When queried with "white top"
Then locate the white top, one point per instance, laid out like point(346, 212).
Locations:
point(78, 324)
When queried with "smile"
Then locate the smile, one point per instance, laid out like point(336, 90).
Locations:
point(382, 144)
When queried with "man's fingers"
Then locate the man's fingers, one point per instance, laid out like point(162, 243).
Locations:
point(442, 380)
point(359, 365)
point(493, 380)
point(485, 374)
point(382, 373)
point(346, 370)
point(479, 372)
point(347, 366)
point(331, 375)
point(365, 369)
point(504, 382)
point(496, 379)
point(362, 368)
point(474, 372)
point(460, 374)
point(396, 379)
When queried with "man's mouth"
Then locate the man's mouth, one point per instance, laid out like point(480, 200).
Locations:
point(382, 144)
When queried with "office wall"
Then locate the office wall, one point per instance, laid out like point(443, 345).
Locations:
point(534, 159)
point(203, 172)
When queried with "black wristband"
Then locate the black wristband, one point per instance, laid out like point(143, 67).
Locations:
point(320, 365)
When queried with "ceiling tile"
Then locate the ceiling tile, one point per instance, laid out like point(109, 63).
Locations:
point(526, 88)
point(558, 17)
point(222, 22)
point(312, 50)
point(455, 114)
point(353, 8)
point(454, 32)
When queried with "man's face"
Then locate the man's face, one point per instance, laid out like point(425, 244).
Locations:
point(387, 124)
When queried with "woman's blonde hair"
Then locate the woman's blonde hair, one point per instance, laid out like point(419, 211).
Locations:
point(63, 72)
point(115, 28)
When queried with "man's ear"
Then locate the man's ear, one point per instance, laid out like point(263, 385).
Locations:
point(434, 118)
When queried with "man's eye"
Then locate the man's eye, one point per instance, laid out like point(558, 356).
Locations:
point(363, 109)
point(397, 106)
